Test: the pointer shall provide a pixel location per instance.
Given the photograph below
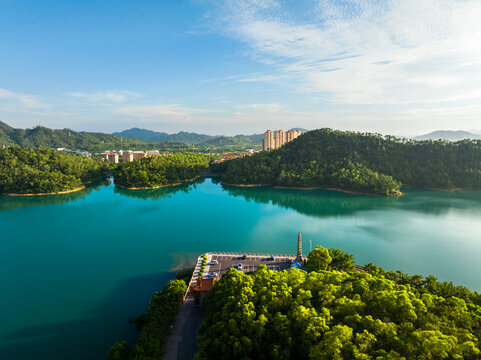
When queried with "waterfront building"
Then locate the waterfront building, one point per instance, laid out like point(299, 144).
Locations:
point(281, 137)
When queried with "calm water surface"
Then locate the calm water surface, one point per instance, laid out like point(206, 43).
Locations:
point(75, 267)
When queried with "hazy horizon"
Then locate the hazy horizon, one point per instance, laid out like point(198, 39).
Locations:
point(474, 132)
point(241, 67)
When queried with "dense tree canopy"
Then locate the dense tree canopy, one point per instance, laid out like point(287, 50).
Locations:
point(29, 171)
point(330, 314)
point(160, 170)
point(368, 163)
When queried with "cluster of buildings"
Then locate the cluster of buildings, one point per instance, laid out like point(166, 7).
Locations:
point(274, 140)
point(78, 152)
point(225, 157)
point(129, 155)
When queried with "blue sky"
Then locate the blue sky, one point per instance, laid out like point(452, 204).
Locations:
point(227, 67)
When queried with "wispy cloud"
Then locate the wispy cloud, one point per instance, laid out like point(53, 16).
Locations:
point(111, 96)
point(364, 51)
point(269, 108)
point(26, 101)
point(156, 111)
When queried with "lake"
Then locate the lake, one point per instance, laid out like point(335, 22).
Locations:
point(75, 267)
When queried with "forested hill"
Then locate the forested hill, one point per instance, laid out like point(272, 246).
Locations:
point(369, 163)
point(45, 137)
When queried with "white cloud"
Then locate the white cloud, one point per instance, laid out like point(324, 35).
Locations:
point(27, 102)
point(110, 96)
point(268, 108)
point(365, 51)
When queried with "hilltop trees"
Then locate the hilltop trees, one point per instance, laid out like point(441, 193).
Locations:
point(368, 163)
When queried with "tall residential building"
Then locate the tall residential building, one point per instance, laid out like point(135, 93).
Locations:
point(281, 137)
point(268, 142)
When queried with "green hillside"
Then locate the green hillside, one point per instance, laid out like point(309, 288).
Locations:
point(368, 163)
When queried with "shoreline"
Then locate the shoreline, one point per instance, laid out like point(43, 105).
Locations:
point(41, 194)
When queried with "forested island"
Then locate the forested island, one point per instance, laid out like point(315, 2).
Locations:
point(332, 311)
point(45, 171)
point(360, 162)
point(160, 171)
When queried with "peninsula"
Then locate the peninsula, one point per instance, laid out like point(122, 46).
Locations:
point(25, 172)
point(323, 306)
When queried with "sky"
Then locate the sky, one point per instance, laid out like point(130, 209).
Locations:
point(401, 67)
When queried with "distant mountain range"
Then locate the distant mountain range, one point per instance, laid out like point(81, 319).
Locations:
point(191, 138)
point(154, 136)
point(67, 138)
point(448, 135)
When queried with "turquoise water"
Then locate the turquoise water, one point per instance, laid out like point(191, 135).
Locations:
point(75, 267)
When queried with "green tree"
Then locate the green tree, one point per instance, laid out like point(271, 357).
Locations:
point(318, 259)
point(341, 261)
point(119, 351)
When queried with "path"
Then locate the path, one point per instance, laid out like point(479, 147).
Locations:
point(182, 343)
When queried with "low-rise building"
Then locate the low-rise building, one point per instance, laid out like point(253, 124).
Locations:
point(112, 157)
point(138, 155)
point(127, 157)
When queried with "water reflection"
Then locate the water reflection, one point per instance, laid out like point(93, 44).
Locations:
point(15, 202)
point(323, 203)
point(154, 194)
